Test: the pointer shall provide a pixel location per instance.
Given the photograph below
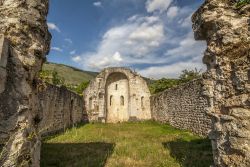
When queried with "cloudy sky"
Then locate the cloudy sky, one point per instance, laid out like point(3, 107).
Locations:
point(152, 37)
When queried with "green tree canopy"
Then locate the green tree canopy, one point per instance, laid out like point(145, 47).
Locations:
point(189, 75)
point(165, 83)
point(80, 88)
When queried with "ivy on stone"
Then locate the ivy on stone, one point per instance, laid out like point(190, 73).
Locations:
point(242, 3)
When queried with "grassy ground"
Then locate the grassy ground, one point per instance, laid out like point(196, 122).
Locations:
point(145, 144)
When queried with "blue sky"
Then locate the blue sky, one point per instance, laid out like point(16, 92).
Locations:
point(153, 37)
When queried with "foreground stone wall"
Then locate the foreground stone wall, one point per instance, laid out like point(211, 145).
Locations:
point(110, 85)
point(183, 107)
point(23, 24)
point(59, 109)
point(226, 30)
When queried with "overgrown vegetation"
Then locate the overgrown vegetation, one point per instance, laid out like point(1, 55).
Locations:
point(52, 77)
point(242, 3)
point(79, 88)
point(164, 83)
point(145, 144)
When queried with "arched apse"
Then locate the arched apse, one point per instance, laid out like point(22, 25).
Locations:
point(117, 101)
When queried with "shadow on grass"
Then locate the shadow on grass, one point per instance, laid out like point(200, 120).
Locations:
point(75, 154)
point(51, 134)
point(194, 153)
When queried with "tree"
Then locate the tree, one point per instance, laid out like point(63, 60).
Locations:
point(80, 88)
point(45, 75)
point(162, 84)
point(56, 79)
point(189, 75)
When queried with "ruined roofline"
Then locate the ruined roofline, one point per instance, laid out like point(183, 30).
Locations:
point(120, 68)
point(115, 68)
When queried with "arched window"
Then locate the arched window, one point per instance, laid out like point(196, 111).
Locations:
point(90, 103)
point(110, 100)
point(116, 87)
point(122, 100)
point(142, 102)
point(100, 96)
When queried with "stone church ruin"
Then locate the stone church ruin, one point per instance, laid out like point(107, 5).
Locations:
point(217, 106)
point(117, 95)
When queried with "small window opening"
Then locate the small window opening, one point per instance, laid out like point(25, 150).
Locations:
point(110, 100)
point(116, 87)
point(90, 103)
point(142, 102)
point(122, 100)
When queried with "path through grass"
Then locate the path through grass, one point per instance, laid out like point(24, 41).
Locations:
point(147, 144)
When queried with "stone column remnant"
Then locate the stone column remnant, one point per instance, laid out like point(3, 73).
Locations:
point(23, 25)
point(4, 51)
point(227, 32)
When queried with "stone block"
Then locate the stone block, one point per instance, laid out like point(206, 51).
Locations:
point(4, 51)
point(3, 75)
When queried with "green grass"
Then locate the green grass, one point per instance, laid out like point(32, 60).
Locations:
point(70, 74)
point(146, 144)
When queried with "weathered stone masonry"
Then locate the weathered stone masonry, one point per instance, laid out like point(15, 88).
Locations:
point(183, 107)
point(227, 82)
point(59, 108)
point(23, 25)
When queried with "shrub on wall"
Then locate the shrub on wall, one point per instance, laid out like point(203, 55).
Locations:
point(242, 3)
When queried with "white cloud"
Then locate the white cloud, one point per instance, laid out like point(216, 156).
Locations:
point(186, 55)
point(163, 42)
point(172, 12)
point(97, 4)
point(157, 5)
point(186, 22)
point(53, 26)
point(117, 57)
point(171, 71)
point(68, 40)
point(77, 59)
point(186, 48)
point(131, 42)
point(56, 49)
point(72, 52)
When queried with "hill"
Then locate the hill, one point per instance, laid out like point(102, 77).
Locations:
point(71, 75)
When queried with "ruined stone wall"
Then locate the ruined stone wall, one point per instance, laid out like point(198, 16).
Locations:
point(59, 108)
point(96, 95)
point(226, 30)
point(23, 25)
point(183, 107)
